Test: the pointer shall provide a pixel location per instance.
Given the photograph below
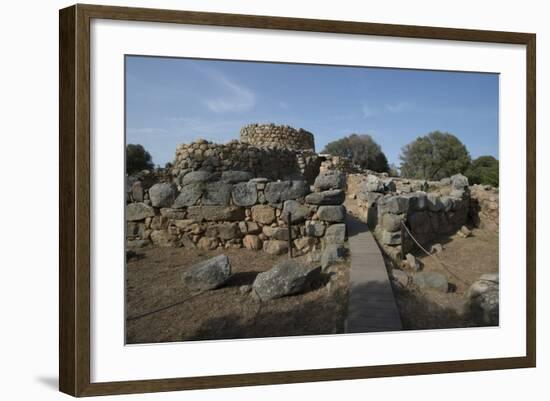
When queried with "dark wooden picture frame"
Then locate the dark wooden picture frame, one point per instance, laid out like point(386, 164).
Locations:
point(74, 203)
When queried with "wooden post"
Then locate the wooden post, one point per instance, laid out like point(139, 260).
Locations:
point(289, 236)
point(403, 254)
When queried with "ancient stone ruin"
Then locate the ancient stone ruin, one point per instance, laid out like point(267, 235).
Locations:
point(240, 194)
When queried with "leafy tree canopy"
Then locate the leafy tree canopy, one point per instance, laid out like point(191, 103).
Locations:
point(483, 170)
point(434, 156)
point(137, 158)
point(361, 150)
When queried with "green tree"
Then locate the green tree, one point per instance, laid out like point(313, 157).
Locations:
point(434, 156)
point(483, 170)
point(137, 158)
point(393, 170)
point(361, 150)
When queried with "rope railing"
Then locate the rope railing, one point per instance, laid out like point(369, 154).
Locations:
point(446, 266)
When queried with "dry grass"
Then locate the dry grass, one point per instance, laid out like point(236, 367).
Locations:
point(171, 313)
point(466, 260)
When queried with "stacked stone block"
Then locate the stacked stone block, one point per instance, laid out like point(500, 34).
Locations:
point(277, 136)
point(237, 210)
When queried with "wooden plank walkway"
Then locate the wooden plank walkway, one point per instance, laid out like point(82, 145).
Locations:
point(371, 305)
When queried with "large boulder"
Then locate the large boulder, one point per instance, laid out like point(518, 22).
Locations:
point(138, 211)
point(483, 299)
point(330, 179)
point(217, 194)
point(234, 177)
point(285, 278)
point(189, 195)
point(332, 214)
point(459, 182)
point(162, 194)
point(196, 177)
point(244, 194)
point(298, 212)
point(331, 197)
point(208, 275)
point(280, 191)
point(263, 214)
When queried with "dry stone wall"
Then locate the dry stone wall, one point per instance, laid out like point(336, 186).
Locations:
point(277, 136)
point(273, 163)
point(428, 215)
point(237, 210)
point(484, 208)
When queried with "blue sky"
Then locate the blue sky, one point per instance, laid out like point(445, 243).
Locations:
point(173, 100)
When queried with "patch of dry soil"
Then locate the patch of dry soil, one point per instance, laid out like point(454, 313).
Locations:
point(160, 309)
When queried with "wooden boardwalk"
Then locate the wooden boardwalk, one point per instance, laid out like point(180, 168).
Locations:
point(371, 304)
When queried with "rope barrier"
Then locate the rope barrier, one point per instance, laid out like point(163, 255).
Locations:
point(444, 265)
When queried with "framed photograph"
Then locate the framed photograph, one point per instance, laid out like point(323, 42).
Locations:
point(249, 200)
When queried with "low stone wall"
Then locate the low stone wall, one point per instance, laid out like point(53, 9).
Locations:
point(484, 209)
point(276, 163)
point(429, 216)
point(277, 136)
point(237, 210)
point(340, 163)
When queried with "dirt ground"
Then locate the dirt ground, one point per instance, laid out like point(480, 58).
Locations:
point(160, 309)
point(466, 260)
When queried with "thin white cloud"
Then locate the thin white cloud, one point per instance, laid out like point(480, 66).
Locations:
point(368, 111)
point(399, 107)
point(234, 98)
point(283, 105)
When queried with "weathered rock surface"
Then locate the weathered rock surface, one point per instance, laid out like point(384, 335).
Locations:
point(208, 275)
point(458, 181)
point(315, 228)
point(244, 194)
point(331, 197)
point(331, 179)
point(234, 177)
point(196, 177)
point(217, 194)
point(277, 192)
point(332, 254)
point(392, 222)
point(138, 211)
point(335, 234)
point(216, 213)
point(285, 278)
point(162, 238)
point(252, 242)
point(189, 195)
point(275, 247)
point(298, 212)
point(280, 233)
point(162, 194)
point(263, 214)
point(333, 214)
